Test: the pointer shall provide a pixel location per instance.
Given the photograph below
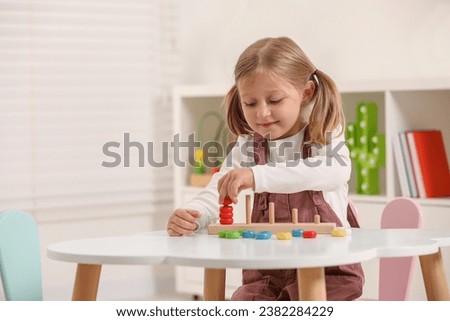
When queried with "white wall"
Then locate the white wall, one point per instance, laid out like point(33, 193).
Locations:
point(351, 40)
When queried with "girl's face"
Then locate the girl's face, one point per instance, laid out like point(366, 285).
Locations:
point(272, 105)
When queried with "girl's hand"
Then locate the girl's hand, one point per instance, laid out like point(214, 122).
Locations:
point(182, 221)
point(233, 182)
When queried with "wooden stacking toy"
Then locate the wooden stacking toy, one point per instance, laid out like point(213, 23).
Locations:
point(226, 221)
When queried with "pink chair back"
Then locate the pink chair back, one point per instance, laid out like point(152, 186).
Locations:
point(396, 273)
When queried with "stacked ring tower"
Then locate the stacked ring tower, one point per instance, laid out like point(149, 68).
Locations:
point(226, 212)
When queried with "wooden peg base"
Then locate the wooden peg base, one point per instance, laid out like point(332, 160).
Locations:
point(320, 228)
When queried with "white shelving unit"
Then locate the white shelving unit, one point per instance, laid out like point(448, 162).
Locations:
point(402, 105)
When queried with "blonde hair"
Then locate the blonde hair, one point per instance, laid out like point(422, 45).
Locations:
point(285, 58)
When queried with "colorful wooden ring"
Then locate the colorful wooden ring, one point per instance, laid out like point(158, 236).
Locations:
point(248, 234)
point(226, 221)
point(263, 235)
point(284, 235)
point(338, 232)
point(226, 209)
point(227, 201)
point(309, 234)
point(297, 232)
point(222, 234)
point(233, 235)
point(226, 215)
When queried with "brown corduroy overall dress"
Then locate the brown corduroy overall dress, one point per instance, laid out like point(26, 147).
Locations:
point(342, 282)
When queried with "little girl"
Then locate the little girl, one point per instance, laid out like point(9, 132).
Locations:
point(290, 149)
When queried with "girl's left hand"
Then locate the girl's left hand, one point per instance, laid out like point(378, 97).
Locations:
point(233, 182)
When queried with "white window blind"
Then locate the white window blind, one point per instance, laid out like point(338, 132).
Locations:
point(74, 75)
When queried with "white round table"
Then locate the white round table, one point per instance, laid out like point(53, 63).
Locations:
point(309, 256)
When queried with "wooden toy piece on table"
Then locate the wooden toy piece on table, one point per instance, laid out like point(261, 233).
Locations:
point(339, 232)
point(284, 235)
point(272, 226)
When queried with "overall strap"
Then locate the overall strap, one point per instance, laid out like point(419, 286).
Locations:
point(306, 147)
point(260, 150)
point(260, 155)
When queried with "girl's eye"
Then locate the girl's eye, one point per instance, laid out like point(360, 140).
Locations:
point(250, 104)
point(275, 101)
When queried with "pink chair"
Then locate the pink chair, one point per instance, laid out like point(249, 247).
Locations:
point(395, 274)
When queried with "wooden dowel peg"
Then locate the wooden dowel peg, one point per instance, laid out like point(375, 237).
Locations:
point(271, 213)
point(248, 209)
point(317, 219)
point(294, 214)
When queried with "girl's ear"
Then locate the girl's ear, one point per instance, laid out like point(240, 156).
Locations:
point(308, 91)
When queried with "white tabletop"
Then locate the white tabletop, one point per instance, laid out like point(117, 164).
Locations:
point(212, 252)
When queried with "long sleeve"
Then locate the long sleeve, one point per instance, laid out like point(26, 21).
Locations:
point(328, 168)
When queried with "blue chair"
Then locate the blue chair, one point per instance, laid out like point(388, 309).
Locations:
point(20, 262)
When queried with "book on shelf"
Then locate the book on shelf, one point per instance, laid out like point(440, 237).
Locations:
point(404, 165)
point(422, 164)
point(409, 169)
point(416, 169)
point(400, 162)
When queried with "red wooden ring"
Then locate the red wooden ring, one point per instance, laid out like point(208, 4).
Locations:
point(227, 221)
point(226, 209)
point(226, 215)
point(227, 201)
point(309, 234)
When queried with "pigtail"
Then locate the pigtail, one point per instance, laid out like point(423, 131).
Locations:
point(235, 116)
point(327, 114)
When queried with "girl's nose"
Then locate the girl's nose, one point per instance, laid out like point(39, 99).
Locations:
point(263, 111)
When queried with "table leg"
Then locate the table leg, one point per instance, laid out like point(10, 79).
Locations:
point(214, 285)
point(434, 278)
point(311, 284)
point(86, 282)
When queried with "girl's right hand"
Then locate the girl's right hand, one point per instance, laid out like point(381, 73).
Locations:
point(233, 182)
point(182, 221)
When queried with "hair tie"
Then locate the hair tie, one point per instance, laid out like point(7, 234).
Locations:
point(314, 77)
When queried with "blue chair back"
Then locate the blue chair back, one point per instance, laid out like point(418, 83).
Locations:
point(20, 262)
